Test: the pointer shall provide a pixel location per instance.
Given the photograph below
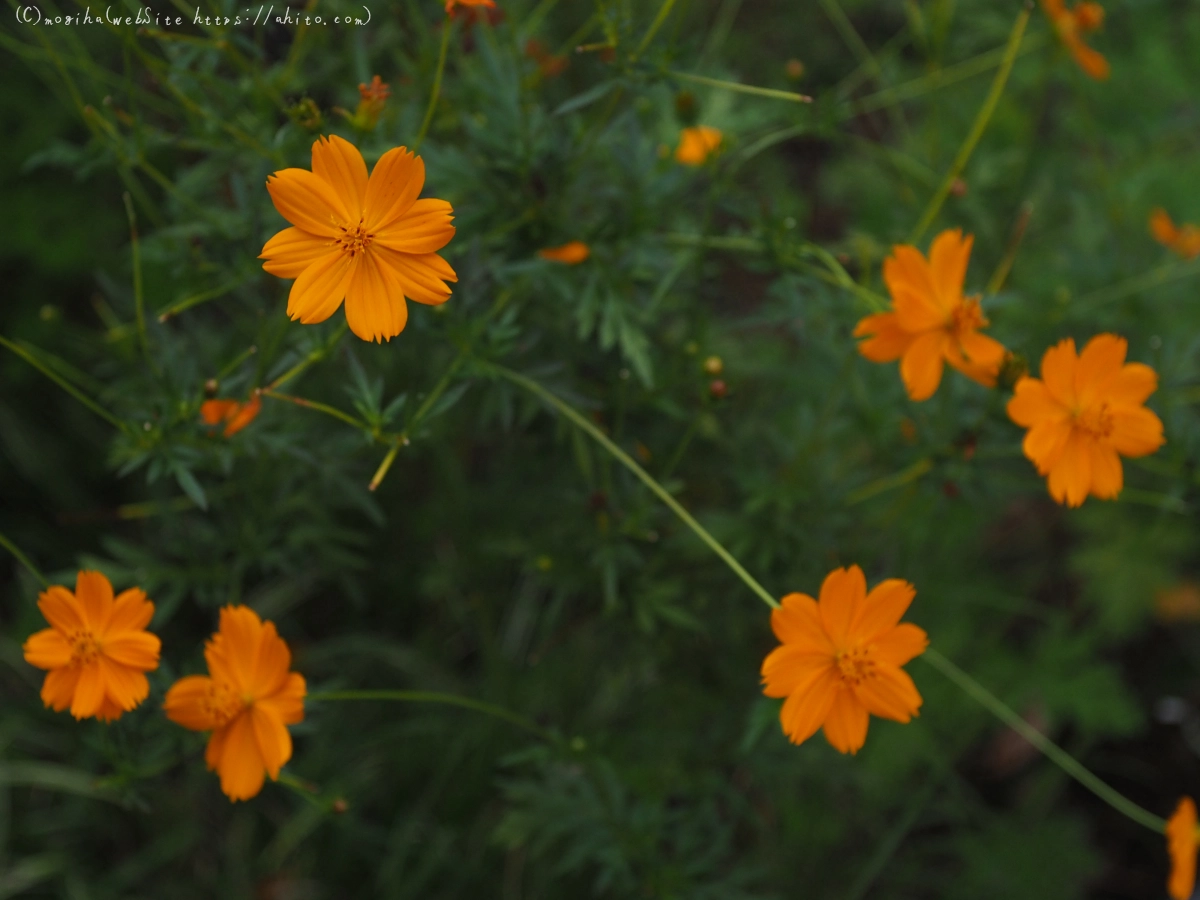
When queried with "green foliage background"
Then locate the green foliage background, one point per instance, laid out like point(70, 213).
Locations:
point(505, 558)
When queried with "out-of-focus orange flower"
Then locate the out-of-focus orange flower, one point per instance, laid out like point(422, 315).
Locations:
point(1184, 240)
point(1084, 414)
point(697, 144)
point(931, 322)
point(841, 657)
point(452, 5)
point(96, 650)
point(235, 414)
point(1071, 24)
point(1181, 845)
point(572, 253)
point(548, 64)
point(1180, 603)
point(247, 701)
point(367, 240)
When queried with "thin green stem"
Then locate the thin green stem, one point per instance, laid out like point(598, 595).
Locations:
point(23, 559)
point(980, 125)
point(319, 407)
point(139, 296)
point(1172, 271)
point(740, 88)
point(314, 357)
point(447, 27)
point(1048, 748)
point(887, 483)
point(1010, 252)
point(196, 299)
point(663, 12)
point(479, 706)
point(64, 384)
point(624, 459)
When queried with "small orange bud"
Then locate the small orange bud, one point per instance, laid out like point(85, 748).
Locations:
point(794, 69)
point(718, 389)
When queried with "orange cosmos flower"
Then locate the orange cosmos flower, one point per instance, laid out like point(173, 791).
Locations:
point(235, 415)
point(572, 253)
point(697, 144)
point(246, 701)
point(451, 4)
point(1070, 24)
point(96, 650)
point(1084, 414)
point(931, 322)
point(549, 65)
point(369, 241)
point(841, 658)
point(1181, 845)
point(1183, 240)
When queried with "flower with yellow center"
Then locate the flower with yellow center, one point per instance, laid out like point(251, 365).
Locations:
point(697, 144)
point(931, 322)
point(1084, 414)
point(97, 650)
point(369, 241)
point(840, 659)
point(1182, 841)
point(247, 701)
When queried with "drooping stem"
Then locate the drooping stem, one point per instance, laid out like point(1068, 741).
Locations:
point(1047, 747)
point(980, 125)
point(64, 384)
point(447, 27)
point(23, 559)
point(319, 407)
point(139, 296)
point(488, 709)
point(738, 87)
point(663, 12)
point(624, 459)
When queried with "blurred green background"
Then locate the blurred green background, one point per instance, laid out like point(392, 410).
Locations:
point(505, 558)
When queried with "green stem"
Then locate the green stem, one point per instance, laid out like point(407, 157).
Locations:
point(488, 709)
point(139, 297)
point(981, 122)
point(313, 357)
point(1172, 271)
point(319, 407)
point(1048, 748)
point(740, 88)
point(23, 559)
point(64, 384)
point(624, 459)
point(437, 84)
point(196, 299)
point(663, 12)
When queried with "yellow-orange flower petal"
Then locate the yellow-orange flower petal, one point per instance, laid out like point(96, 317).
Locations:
point(451, 4)
point(96, 650)
point(696, 144)
point(246, 701)
point(1083, 414)
point(366, 240)
point(1184, 240)
point(1070, 24)
point(1181, 845)
point(571, 253)
point(234, 414)
point(931, 323)
point(840, 657)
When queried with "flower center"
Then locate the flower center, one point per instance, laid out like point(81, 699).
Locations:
point(1096, 421)
point(354, 239)
point(855, 666)
point(223, 704)
point(967, 317)
point(84, 648)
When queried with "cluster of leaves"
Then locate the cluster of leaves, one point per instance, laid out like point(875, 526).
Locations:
point(504, 558)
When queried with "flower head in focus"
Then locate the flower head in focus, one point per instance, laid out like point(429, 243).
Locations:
point(840, 659)
point(697, 144)
point(96, 650)
point(247, 700)
point(572, 253)
point(931, 323)
point(235, 414)
point(1084, 414)
point(1182, 841)
point(369, 241)
point(1085, 16)
point(1183, 239)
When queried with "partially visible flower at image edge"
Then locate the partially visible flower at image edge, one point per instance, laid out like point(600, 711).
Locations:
point(1182, 842)
point(571, 253)
point(1083, 17)
point(97, 649)
point(1084, 414)
point(840, 658)
point(931, 322)
point(1183, 239)
point(247, 701)
point(369, 241)
point(696, 144)
point(235, 414)
point(451, 4)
